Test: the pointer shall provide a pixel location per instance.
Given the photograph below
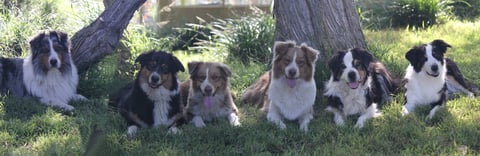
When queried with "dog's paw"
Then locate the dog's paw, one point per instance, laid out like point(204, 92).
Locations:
point(67, 107)
point(78, 97)
point(131, 131)
point(339, 120)
point(304, 127)
point(359, 125)
point(471, 95)
point(405, 111)
point(234, 120)
point(198, 122)
point(281, 125)
point(429, 117)
point(173, 130)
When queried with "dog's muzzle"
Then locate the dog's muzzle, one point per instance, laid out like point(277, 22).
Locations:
point(154, 81)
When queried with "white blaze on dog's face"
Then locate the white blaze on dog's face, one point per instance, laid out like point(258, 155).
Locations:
point(293, 62)
point(428, 58)
point(158, 69)
point(50, 50)
point(351, 66)
point(209, 78)
point(54, 59)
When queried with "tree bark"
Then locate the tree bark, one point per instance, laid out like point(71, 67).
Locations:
point(101, 37)
point(326, 25)
point(163, 10)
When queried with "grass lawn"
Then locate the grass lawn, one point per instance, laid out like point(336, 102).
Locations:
point(29, 128)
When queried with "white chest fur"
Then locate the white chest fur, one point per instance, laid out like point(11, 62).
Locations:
point(162, 98)
point(422, 88)
point(292, 102)
point(353, 100)
point(54, 86)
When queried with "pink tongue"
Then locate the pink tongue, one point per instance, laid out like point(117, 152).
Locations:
point(207, 101)
point(291, 83)
point(353, 85)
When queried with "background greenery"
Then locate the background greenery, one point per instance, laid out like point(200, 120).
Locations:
point(30, 128)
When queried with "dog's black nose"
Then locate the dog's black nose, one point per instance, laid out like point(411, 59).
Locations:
point(434, 68)
point(155, 78)
point(352, 76)
point(208, 90)
point(53, 62)
point(292, 72)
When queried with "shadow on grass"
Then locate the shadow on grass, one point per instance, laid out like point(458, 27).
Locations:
point(22, 108)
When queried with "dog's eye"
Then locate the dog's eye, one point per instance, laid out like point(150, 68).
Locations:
point(58, 48)
point(214, 77)
point(45, 49)
point(343, 66)
point(202, 77)
point(286, 61)
point(301, 62)
point(357, 64)
point(152, 65)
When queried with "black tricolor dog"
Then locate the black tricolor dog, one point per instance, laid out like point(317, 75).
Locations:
point(430, 77)
point(47, 73)
point(357, 85)
point(153, 98)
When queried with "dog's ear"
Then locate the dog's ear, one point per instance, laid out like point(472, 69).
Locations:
point(365, 57)
point(61, 37)
point(193, 67)
point(143, 57)
point(36, 42)
point(225, 70)
point(178, 65)
point(280, 48)
point(412, 55)
point(312, 54)
point(440, 45)
point(335, 64)
point(416, 57)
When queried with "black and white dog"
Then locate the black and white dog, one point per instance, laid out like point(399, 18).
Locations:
point(358, 85)
point(48, 73)
point(430, 77)
point(153, 98)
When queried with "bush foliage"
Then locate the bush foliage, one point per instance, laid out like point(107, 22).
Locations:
point(248, 38)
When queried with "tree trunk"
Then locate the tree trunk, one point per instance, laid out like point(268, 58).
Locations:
point(163, 10)
point(326, 25)
point(101, 37)
point(107, 3)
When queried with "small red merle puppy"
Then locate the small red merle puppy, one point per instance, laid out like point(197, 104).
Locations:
point(153, 98)
point(207, 94)
point(358, 85)
point(47, 74)
point(430, 77)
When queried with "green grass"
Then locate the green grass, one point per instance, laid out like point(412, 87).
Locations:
point(29, 128)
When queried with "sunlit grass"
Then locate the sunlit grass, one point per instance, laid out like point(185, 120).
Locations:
point(30, 128)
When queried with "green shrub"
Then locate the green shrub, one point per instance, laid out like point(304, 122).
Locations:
point(466, 9)
point(21, 19)
point(418, 13)
point(380, 14)
point(248, 39)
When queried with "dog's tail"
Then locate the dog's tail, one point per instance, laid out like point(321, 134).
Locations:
point(115, 98)
point(454, 72)
point(257, 93)
point(385, 85)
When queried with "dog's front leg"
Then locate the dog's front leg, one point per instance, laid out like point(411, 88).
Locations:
point(371, 112)
point(56, 103)
point(233, 119)
point(78, 97)
point(274, 116)
point(305, 120)
point(198, 121)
